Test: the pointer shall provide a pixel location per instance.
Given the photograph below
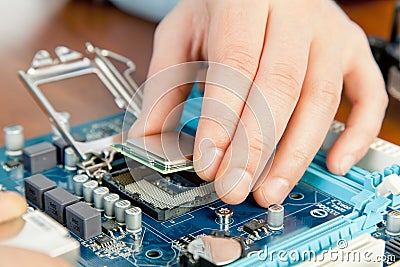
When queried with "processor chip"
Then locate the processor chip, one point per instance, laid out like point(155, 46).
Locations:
point(166, 153)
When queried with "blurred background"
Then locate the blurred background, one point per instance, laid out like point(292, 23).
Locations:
point(28, 26)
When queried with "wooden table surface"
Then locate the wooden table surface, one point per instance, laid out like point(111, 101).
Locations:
point(27, 26)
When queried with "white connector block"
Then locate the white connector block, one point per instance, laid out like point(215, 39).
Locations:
point(380, 155)
point(43, 234)
point(390, 185)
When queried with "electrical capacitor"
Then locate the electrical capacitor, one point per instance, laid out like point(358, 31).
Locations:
point(109, 202)
point(70, 159)
point(120, 207)
point(393, 222)
point(98, 197)
point(14, 139)
point(133, 220)
point(276, 214)
point(77, 183)
point(88, 189)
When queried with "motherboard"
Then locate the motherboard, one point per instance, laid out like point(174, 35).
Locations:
point(124, 210)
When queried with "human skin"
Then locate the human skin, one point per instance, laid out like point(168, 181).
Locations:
point(301, 55)
point(12, 207)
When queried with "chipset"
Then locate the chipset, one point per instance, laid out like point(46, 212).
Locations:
point(166, 152)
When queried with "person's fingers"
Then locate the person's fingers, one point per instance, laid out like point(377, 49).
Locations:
point(365, 88)
point(11, 228)
point(235, 39)
point(307, 128)
point(12, 206)
point(279, 79)
point(173, 44)
point(19, 257)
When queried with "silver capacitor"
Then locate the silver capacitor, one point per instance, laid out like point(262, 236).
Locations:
point(77, 183)
point(133, 220)
point(109, 203)
point(63, 118)
point(88, 189)
point(393, 222)
point(98, 197)
point(120, 207)
point(70, 159)
point(14, 139)
point(276, 214)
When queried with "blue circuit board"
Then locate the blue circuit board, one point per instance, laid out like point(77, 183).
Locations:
point(310, 211)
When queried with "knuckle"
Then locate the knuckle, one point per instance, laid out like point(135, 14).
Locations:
point(258, 148)
point(237, 56)
point(326, 93)
point(257, 144)
point(284, 78)
point(358, 34)
point(301, 157)
point(224, 136)
point(383, 98)
point(159, 32)
point(228, 122)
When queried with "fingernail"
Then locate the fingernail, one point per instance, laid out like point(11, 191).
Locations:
point(208, 162)
point(275, 190)
point(346, 163)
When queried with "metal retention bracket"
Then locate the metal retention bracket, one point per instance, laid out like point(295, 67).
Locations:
point(69, 64)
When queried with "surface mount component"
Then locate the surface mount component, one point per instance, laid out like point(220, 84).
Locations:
point(43, 234)
point(166, 153)
point(70, 159)
point(120, 207)
point(83, 220)
point(109, 203)
point(14, 139)
point(276, 214)
point(77, 183)
point(133, 219)
point(103, 241)
point(68, 64)
point(60, 145)
point(253, 226)
point(98, 197)
point(393, 222)
point(87, 189)
point(55, 202)
point(11, 164)
point(35, 187)
point(110, 227)
point(39, 157)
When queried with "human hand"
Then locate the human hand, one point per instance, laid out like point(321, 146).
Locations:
point(12, 207)
point(298, 53)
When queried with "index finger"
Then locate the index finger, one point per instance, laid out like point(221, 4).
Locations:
point(236, 37)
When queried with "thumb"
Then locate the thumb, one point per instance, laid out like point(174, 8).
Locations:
point(11, 256)
point(12, 206)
